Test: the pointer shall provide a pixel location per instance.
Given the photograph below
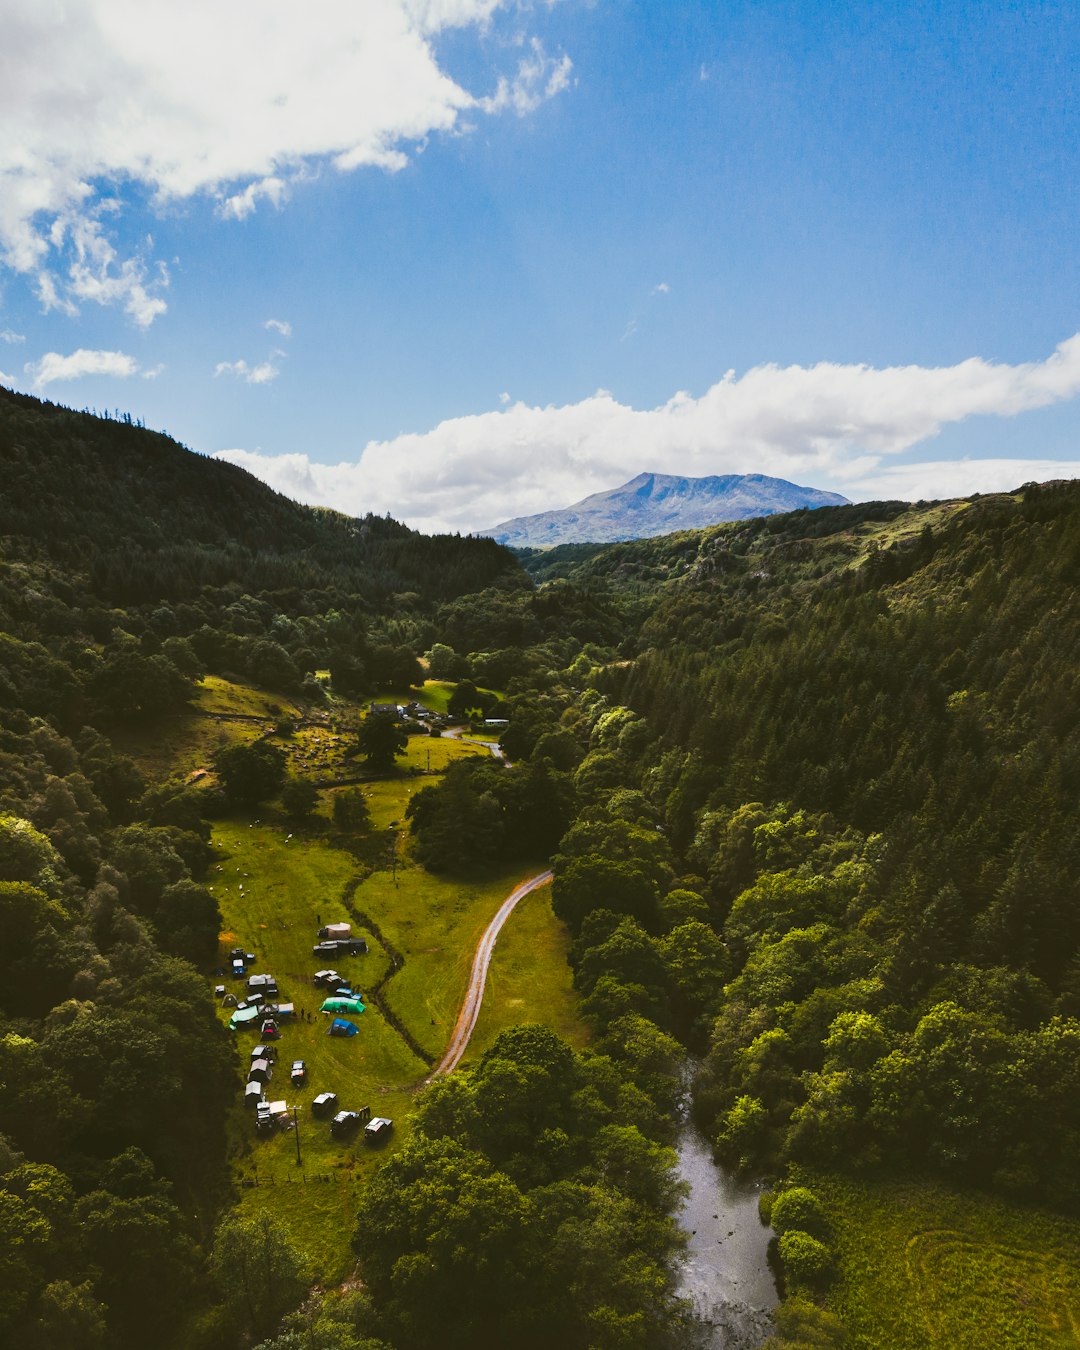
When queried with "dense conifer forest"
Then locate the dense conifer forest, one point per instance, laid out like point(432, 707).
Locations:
point(809, 784)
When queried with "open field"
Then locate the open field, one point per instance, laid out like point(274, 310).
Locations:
point(275, 884)
point(529, 979)
point(288, 885)
point(435, 695)
point(923, 1267)
point(435, 923)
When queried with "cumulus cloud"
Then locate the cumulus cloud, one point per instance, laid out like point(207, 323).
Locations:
point(538, 78)
point(10, 336)
point(934, 479)
point(52, 367)
point(281, 326)
point(264, 373)
point(173, 100)
point(827, 425)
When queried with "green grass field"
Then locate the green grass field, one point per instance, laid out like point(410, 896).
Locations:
point(186, 742)
point(435, 694)
point(529, 979)
point(922, 1267)
point(288, 885)
point(275, 883)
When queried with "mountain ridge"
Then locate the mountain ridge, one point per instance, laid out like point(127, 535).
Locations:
point(652, 504)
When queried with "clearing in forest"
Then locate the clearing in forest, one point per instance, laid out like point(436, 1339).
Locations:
point(421, 930)
point(922, 1267)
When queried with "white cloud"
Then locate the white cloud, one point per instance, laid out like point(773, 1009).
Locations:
point(11, 337)
point(236, 101)
point(504, 398)
point(53, 367)
point(281, 326)
point(956, 478)
point(539, 77)
point(826, 425)
point(264, 373)
point(661, 288)
point(240, 205)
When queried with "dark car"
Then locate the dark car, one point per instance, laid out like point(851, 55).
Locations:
point(298, 1072)
point(344, 1123)
point(324, 1103)
point(377, 1129)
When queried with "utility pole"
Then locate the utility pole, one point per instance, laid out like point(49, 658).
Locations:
point(296, 1131)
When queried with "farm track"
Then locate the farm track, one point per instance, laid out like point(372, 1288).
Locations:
point(474, 995)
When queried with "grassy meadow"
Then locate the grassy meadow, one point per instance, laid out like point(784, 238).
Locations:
point(529, 979)
point(276, 881)
point(923, 1267)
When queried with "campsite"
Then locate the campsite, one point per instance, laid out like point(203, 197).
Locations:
point(278, 885)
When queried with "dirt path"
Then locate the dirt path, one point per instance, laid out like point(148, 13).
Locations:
point(458, 734)
point(474, 996)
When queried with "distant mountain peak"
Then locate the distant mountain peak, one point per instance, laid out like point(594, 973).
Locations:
point(660, 503)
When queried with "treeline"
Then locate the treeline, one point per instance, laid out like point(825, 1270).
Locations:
point(863, 751)
point(532, 1205)
point(147, 520)
point(114, 1072)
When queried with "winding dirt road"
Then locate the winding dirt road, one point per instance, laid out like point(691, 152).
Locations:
point(474, 996)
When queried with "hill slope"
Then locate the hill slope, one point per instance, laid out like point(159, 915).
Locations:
point(147, 518)
point(657, 503)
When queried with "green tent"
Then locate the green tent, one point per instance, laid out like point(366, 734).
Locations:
point(242, 1015)
point(340, 1005)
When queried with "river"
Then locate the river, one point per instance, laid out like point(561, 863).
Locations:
point(726, 1272)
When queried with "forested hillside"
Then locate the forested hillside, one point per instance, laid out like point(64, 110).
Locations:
point(128, 568)
point(864, 746)
point(144, 519)
point(809, 788)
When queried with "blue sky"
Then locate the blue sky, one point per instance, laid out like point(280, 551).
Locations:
point(515, 253)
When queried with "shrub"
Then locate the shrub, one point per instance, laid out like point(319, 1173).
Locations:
point(799, 1209)
point(806, 1260)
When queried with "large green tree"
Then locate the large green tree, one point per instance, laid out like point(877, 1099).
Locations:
point(381, 740)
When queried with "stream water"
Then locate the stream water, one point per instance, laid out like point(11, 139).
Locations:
point(726, 1273)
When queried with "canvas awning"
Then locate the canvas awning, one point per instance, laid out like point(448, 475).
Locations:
point(242, 1015)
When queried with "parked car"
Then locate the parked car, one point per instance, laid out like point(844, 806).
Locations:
point(298, 1073)
point(324, 1104)
point(344, 1123)
point(377, 1129)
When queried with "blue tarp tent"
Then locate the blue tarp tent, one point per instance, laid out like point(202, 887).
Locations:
point(340, 1027)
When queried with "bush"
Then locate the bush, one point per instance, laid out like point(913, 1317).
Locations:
point(799, 1209)
point(806, 1260)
